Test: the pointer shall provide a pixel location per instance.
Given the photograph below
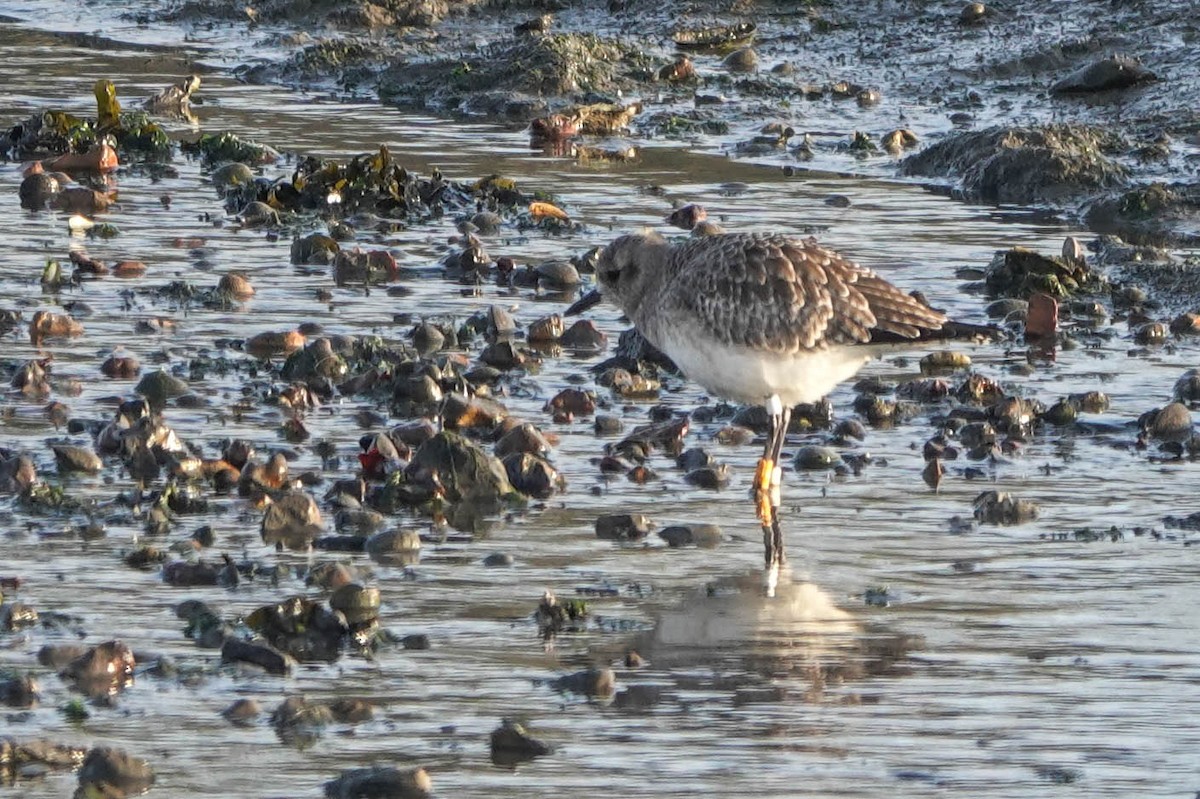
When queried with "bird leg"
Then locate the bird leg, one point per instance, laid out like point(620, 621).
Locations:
point(767, 479)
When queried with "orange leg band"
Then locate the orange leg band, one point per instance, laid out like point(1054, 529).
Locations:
point(762, 490)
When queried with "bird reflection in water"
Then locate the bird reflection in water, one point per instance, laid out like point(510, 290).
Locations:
point(729, 637)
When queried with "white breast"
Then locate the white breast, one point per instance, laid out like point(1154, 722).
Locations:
point(745, 375)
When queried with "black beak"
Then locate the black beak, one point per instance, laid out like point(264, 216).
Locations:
point(580, 305)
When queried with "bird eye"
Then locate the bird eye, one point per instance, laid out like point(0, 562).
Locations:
point(611, 275)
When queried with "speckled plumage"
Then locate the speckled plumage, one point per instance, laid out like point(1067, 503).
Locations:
point(767, 292)
point(749, 315)
point(761, 318)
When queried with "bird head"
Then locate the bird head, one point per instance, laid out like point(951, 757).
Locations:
point(624, 271)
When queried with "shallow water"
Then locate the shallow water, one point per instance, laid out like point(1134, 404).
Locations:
point(1055, 666)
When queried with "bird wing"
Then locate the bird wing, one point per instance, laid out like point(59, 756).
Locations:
point(782, 294)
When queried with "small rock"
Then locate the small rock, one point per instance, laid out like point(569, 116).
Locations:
point(511, 744)
point(1002, 508)
point(705, 536)
point(608, 425)
point(76, 459)
point(1116, 72)
point(574, 401)
point(242, 712)
point(398, 547)
point(102, 669)
point(257, 653)
point(293, 520)
point(623, 526)
point(524, 438)
point(532, 476)
point(944, 361)
point(813, 457)
point(741, 60)
point(416, 641)
point(584, 335)
point(1170, 423)
point(380, 782)
point(590, 682)
point(357, 603)
point(710, 477)
point(1041, 317)
point(687, 217)
point(109, 773)
point(497, 559)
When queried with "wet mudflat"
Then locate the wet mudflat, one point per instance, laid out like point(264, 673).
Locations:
point(911, 656)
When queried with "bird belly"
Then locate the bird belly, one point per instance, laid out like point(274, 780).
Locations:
point(749, 375)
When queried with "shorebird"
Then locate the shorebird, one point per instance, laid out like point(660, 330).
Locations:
point(765, 319)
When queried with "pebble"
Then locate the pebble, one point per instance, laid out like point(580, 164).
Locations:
point(813, 457)
point(1002, 508)
point(243, 712)
point(710, 477)
point(511, 743)
point(110, 773)
point(380, 782)
point(623, 526)
point(1171, 423)
point(257, 653)
point(705, 536)
point(590, 682)
point(741, 60)
point(608, 425)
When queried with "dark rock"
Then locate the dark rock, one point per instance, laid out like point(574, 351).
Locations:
point(416, 641)
point(1115, 72)
point(1155, 214)
point(592, 682)
point(184, 573)
point(18, 690)
point(702, 535)
point(498, 559)
point(623, 526)
point(243, 712)
point(351, 711)
point(38, 190)
point(511, 744)
point(1046, 163)
point(1002, 508)
point(502, 354)
point(522, 438)
point(101, 670)
point(459, 412)
point(76, 459)
point(694, 458)
point(741, 60)
point(464, 470)
point(157, 387)
point(812, 457)
point(17, 473)
point(18, 758)
point(17, 616)
point(1023, 273)
point(710, 477)
point(109, 773)
point(293, 520)
point(574, 401)
point(1170, 423)
point(380, 782)
point(397, 547)
point(357, 603)
point(58, 656)
point(532, 476)
point(258, 654)
point(584, 335)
